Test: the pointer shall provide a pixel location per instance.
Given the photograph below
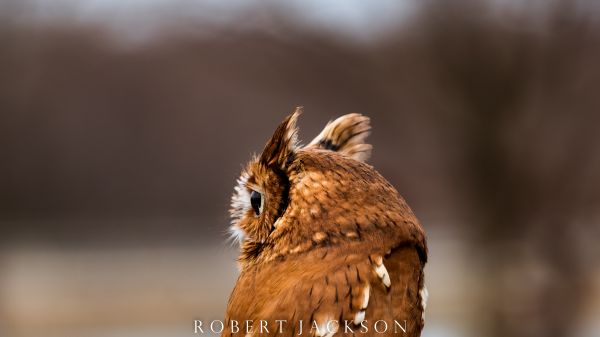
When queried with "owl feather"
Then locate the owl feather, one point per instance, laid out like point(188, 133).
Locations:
point(346, 135)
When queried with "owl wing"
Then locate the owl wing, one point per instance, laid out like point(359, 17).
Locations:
point(332, 289)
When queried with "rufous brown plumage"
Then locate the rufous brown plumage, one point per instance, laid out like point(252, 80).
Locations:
point(328, 246)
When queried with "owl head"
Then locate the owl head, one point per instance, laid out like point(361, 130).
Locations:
point(291, 198)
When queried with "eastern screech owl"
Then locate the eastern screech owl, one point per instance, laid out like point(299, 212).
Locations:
point(328, 246)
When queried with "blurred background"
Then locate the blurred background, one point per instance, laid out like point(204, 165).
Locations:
point(124, 124)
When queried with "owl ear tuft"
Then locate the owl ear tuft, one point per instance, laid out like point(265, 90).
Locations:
point(346, 135)
point(282, 146)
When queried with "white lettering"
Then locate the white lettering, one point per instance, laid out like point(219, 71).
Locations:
point(380, 321)
point(347, 328)
point(198, 326)
point(363, 327)
point(249, 326)
point(263, 325)
point(212, 326)
point(280, 322)
point(235, 326)
point(397, 325)
point(332, 328)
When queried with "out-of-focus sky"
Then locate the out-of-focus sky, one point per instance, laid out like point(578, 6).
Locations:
point(356, 20)
point(139, 18)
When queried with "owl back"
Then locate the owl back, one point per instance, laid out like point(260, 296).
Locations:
point(345, 255)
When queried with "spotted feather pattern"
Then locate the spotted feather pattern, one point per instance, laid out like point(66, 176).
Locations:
point(336, 242)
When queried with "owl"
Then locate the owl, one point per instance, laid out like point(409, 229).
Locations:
point(327, 245)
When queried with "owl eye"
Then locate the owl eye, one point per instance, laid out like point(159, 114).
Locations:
point(256, 202)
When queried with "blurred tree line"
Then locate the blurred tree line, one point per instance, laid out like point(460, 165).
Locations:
point(487, 122)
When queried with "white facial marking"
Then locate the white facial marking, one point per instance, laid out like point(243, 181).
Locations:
point(240, 203)
point(236, 234)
